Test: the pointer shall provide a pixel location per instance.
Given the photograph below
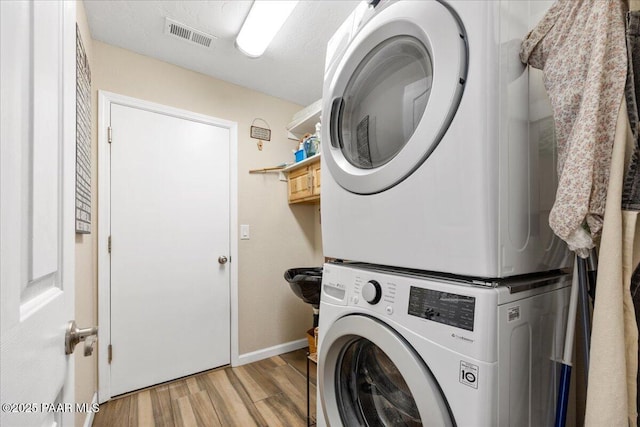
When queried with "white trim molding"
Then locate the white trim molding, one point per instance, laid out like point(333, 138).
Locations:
point(105, 99)
point(88, 421)
point(276, 350)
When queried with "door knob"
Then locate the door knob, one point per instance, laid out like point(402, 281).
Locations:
point(75, 335)
point(222, 259)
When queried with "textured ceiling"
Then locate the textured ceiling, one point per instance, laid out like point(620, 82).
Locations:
point(291, 68)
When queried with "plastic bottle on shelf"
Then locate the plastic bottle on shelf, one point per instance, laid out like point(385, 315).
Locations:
point(311, 145)
point(317, 135)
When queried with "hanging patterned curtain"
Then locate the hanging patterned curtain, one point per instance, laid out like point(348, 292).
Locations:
point(581, 47)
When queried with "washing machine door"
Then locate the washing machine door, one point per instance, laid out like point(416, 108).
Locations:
point(370, 376)
point(393, 95)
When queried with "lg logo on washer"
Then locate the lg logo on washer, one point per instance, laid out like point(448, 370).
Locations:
point(469, 374)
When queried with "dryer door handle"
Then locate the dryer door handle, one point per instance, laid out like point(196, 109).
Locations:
point(335, 120)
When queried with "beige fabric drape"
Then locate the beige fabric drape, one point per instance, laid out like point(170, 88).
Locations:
point(611, 396)
point(612, 393)
point(580, 47)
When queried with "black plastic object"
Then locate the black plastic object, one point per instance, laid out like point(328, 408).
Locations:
point(306, 284)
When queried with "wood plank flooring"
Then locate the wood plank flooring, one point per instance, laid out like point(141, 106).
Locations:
point(270, 392)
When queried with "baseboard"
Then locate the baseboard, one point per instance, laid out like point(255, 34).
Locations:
point(276, 350)
point(88, 421)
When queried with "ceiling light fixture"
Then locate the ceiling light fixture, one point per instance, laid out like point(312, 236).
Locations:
point(262, 24)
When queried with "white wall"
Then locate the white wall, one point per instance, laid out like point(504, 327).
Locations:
point(86, 312)
point(282, 236)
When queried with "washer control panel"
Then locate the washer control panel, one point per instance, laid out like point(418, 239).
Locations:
point(372, 292)
point(400, 296)
point(458, 316)
point(442, 307)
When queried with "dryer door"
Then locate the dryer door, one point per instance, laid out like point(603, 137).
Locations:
point(370, 376)
point(393, 95)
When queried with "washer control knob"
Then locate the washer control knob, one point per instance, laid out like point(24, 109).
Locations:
point(372, 292)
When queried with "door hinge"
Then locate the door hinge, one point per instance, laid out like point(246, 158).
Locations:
point(109, 354)
point(109, 134)
point(109, 244)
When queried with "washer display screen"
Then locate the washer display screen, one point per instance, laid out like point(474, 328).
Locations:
point(442, 307)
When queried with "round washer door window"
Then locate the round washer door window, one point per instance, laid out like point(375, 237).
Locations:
point(371, 389)
point(392, 96)
point(370, 376)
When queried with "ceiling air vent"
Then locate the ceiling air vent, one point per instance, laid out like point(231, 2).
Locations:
point(186, 33)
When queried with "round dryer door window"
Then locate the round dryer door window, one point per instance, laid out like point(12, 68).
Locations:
point(393, 95)
point(384, 102)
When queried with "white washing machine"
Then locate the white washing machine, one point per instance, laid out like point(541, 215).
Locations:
point(404, 349)
point(438, 145)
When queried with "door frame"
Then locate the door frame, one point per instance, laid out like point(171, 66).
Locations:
point(105, 99)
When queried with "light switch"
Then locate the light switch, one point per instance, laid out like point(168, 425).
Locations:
point(244, 232)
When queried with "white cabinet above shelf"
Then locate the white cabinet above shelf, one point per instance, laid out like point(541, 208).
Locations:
point(305, 121)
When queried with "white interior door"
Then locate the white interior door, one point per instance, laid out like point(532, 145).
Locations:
point(170, 308)
point(37, 153)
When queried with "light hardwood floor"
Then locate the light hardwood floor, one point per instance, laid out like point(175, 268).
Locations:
point(271, 392)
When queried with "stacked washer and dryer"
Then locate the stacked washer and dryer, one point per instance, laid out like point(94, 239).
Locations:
point(440, 171)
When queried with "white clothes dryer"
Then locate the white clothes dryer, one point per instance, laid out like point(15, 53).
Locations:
point(437, 142)
point(409, 349)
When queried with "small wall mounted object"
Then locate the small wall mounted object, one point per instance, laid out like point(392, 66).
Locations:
point(275, 169)
point(83, 139)
point(260, 133)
